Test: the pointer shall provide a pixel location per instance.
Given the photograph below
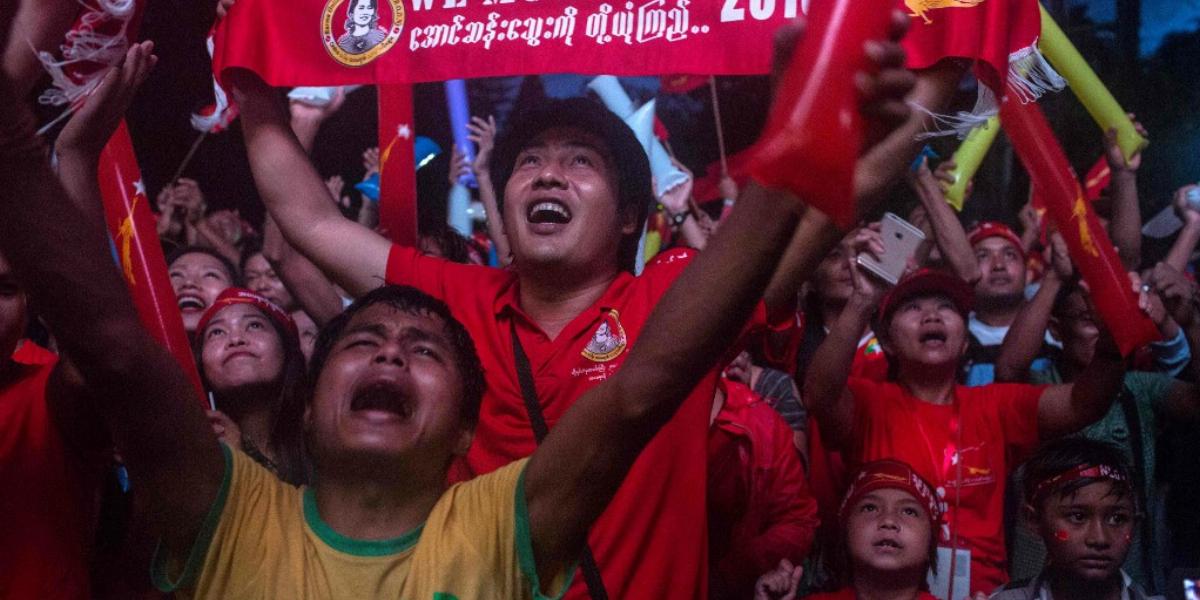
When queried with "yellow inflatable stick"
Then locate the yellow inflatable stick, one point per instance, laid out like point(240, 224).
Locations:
point(1091, 92)
point(653, 244)
point(967, 160)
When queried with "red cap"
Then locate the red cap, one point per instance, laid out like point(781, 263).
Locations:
point(989, 229)
point(236, 295)
point(928, 281)
point(895, 475)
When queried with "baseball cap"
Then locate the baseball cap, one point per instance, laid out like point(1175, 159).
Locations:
point(235, 295)
point(928, 281)
point(896, 475)
point(989, 229)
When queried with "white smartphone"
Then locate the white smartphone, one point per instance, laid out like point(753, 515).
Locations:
point(900, 242)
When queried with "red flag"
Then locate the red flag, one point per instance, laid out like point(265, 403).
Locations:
point(988, 31)
point(132, 226)
point(126, 209)
point(1089, 245)
point(1097, 180)
point(814, 131)
point(705, 189)
point(307, 42)
point(397, 177)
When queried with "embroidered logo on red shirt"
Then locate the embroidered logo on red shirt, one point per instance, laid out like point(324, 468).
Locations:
point(609, 340)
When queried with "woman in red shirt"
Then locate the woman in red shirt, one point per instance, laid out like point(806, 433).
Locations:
point(964, 440)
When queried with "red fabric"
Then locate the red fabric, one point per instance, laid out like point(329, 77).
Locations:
point(988, 32)
point(760, 509)
point(476, 39)
point(814, 121)
point(134, 231)
point(398, 174)
point(997, 425)
point(44, 498)
point(849, 594)
point(1090, 247)
point(1097, 180)
point(651, 542)
point(827, 474)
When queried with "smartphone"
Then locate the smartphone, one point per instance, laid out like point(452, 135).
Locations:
point(900, 242)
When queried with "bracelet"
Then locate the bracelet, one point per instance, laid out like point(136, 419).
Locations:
point(678, 219)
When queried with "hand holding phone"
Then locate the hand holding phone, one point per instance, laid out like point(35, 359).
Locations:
point(900, 242)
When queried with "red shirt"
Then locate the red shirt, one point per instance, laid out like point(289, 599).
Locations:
point(849, 594)
point(760, 509)
point(43, 497)
point(996, 424)
point(651, 542)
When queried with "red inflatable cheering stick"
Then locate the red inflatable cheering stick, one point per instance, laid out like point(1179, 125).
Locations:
point(814, 132)
point(1091, 250)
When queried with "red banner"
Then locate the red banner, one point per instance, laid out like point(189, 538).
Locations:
point(341, 42)
point(1091, 250)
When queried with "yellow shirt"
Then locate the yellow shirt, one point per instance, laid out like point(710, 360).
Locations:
point(265, 539)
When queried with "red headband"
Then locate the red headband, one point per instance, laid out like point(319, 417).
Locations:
point(1084, 471)
point(235, 295)
point(892, 474)
point(991, 229)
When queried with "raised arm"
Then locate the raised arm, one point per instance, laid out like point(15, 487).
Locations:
point(1065, 409)
point(948, 232)
point(483, 133)
point(574, 474)
point(1181, 251)
point(61, 255)
point(825, 391)
point(308, 285)
point(352, 255)
point(1126, 226)
point(1024, 338)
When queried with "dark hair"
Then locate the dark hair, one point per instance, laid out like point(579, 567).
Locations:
point(287, 405)
point(454, 247)
point(842, 566)
point(250, 248)
point(412, 301)
point(1062, 455)
point(634, 184)
point(235, 278)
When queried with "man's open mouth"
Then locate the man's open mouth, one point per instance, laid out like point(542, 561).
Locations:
point(383, 396)
point(932, 336)
point(549, 211)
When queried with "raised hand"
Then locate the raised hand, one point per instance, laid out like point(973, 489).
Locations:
point(678, 199)
point(370, 158)
point(187, 194)
point(93, 124)
point(483, 133)
point(458, 166)
point(335, 184)
point(1186, 211)
point(310, 112)
point(225, 429)
point(1179, 294)
point(781, 584)
point(1113, 154)
point(1060, 258)
point(866, 240)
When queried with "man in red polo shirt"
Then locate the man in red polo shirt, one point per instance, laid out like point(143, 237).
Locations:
point(574, 189)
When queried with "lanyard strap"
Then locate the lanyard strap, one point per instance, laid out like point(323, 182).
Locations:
point(537, 420)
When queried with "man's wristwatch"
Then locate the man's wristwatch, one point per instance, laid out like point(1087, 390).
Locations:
point(678, 219)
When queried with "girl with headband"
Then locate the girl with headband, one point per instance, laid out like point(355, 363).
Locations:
point(248, 352)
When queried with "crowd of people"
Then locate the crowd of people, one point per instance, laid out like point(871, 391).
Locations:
point(750, 413)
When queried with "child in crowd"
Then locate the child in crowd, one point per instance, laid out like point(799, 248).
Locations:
point(1080, 497)
point(889, 517)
